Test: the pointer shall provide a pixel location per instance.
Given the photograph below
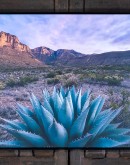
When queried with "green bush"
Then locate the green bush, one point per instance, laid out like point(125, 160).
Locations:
point(59, 72)
point(51, 75)
point(70, 83)
point(2, 85)
point(113, 80)
point(21, 81)
point(11, 83)
point(25, 80)
point(53, 81)
point(102, 78)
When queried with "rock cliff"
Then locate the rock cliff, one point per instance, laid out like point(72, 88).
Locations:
point(13, 42)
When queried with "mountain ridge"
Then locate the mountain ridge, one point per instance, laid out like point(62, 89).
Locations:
point(11, 47)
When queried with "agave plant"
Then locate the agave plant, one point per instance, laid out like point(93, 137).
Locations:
point(65, 119)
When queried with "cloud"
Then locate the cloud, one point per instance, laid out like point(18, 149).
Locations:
point(84, 33)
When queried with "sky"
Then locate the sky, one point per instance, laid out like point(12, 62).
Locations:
point(87, 34)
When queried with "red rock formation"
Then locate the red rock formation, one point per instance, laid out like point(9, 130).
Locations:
point(43, 50)
point(12, 41)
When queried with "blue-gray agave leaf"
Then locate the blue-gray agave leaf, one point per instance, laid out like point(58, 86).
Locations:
point(86, 104)
point(58, 135)
point(57, 104)
point(65, 116)
point(62, 91)
point(78, 126)
point(92, 111)
point(99, 123)
point(69, 98)
point(81, 142)
point(14, 144)
point(25, 110)
point(116, 132)
point(37, 108)
point(28, 137)
point(124, 139)
point(111, 117)
point(46, 118)
point(79, 102)
point(15, 124)
point(47, 106)
point(104, 143)
point(46, 95)
point(85, 97)
point(30, 123)
point(100, 106)
point(74, 96)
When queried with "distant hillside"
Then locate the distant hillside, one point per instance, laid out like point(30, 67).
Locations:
point(109, 58)
point(13, 53)
point(73, 58)
point(49, 56)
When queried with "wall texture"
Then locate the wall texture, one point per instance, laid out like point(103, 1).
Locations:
point(91, 6)
point(63, 157)
point(35, 157)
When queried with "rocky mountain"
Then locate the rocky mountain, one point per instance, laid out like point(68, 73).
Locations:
point(109, 58)
point(13, 53)
point(13, 42)
point(49, 56)
point(73, 58)
point(43, 54)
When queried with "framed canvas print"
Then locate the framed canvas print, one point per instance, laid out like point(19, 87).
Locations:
point(64, 81)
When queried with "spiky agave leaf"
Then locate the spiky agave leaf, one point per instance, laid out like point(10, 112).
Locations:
point(25, 110)
point(47, 106)
point(69, 99)
point(81, 142)
point(30, 123)
point(66, 119)
point(58, 134)
point(27, 137)
point(14, 144)
point(78, 126)
point(85, 97)
point(15, 124)
point(79, 98)
point(65, 115)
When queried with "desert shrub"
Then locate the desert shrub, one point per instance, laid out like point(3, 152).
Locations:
point(68, 79)
point(67, 70)
point(2, 85)
point(71, 81)
point(125, 96)
point(91, 76)
point(53, 81)
point(59, 72)
point(21, 81)
point(113, 80)
point(114, 105)
point(50, 75)
point(11, 83)
point(25, 80)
